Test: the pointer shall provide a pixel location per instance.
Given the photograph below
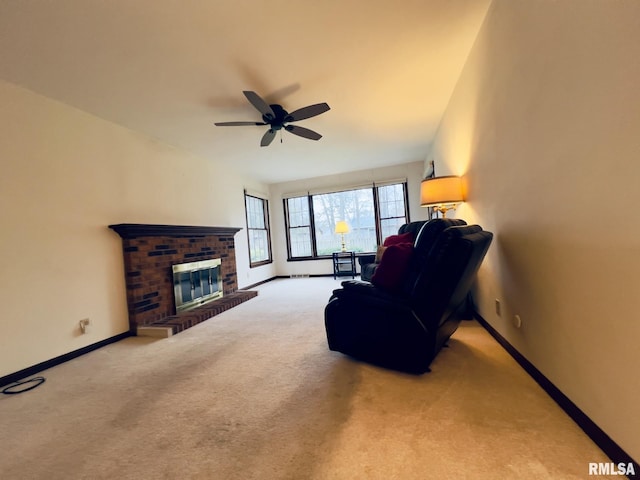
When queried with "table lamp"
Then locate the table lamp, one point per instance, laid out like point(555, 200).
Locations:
point(342, 228)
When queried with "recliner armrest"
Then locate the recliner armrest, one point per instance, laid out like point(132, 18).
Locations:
point(361, 287)
point(367, 292)
point(366, 259)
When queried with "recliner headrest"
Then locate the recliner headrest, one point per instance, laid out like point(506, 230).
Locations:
point(413, 227)
point(431, 230)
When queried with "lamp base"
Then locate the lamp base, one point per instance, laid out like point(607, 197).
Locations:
point(344, 245)
point(443, 209)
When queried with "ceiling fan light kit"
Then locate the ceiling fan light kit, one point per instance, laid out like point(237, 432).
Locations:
point(278, 118)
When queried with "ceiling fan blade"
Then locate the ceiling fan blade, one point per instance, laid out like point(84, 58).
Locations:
point(307, 112)
point(268, 137)
point(303, 132)
point(237, 124)
point(262, 106)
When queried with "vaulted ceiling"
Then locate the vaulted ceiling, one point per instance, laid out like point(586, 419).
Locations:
point(171, 68)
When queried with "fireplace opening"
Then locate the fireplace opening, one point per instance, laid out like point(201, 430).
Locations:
point(196, 283)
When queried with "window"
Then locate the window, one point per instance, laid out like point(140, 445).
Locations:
point(299, 231)
point(372, 213)
point(391, 201)
point(257, 210)
point(354, 206)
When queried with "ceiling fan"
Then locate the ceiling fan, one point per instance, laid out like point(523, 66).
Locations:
point(276, 117)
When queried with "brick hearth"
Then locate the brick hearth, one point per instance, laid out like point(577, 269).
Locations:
point(149, 253)
point(183, 320)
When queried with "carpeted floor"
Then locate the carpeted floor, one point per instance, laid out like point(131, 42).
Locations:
point(254, 393)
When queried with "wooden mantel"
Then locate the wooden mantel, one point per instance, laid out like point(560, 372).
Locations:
point(134, 230)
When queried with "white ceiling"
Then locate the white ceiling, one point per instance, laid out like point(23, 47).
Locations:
point(171, 68)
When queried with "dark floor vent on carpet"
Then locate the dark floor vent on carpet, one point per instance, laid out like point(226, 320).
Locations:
point(177, 323)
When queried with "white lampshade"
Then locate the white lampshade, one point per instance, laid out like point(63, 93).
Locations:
point(441, 190)
point(342, 227)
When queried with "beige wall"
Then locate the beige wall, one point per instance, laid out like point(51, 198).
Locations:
point(413, 172)
point(66, 175)
point(545, 124)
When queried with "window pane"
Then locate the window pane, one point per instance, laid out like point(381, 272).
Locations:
point(258, 246)
point(391, 199)
point(353, 206)
point(298, 209)
point(300, 241)
point(255, 212)
point(390, 226)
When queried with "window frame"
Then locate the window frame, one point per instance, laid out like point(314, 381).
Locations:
point(267, 229)
point(311, 226)
point(377, 218)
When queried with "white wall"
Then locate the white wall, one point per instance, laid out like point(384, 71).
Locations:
point(66, 175)
point(544, 123)
point(413, 172)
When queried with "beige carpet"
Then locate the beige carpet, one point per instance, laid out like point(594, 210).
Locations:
point(254, 393)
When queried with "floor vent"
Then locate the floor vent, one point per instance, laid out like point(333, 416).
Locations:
point(299, 275)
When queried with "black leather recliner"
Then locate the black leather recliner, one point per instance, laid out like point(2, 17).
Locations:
point(405, 330)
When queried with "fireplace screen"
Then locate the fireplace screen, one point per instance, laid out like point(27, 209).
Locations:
point(196, 283)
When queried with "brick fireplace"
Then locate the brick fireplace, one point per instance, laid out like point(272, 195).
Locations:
point(150, 251)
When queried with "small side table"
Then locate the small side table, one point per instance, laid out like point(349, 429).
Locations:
point(344, 263)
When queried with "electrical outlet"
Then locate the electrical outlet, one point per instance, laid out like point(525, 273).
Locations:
point(498, 308)
point(84, 325)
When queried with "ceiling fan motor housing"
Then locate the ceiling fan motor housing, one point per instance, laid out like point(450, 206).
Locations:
point(280, 117)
